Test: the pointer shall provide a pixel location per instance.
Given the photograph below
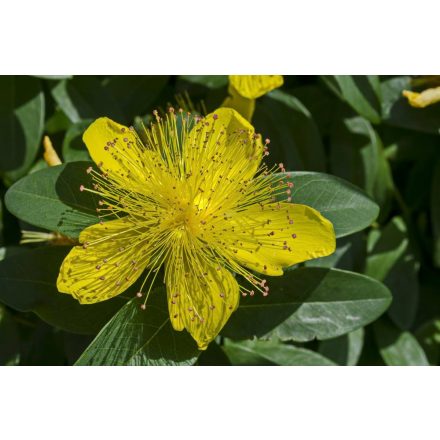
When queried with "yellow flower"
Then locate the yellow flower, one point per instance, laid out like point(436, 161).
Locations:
point(192, 197)
point(245, 89)
point(423, 99)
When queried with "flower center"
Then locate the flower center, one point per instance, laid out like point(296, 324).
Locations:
point(183, 216)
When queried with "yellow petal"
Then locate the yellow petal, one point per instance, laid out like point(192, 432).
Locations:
point(281, 235)
point(225, 143)
point(244, 106)
point(254, 86)
point(111, 258)
point(115, 148)
point(424, 99)
point(201, 298)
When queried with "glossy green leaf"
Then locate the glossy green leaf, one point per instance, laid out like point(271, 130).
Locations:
point(397, 347)
point(361, 92)
point(74, 148)
point(294, 136)
point(135, 94)
point(435, 214)
point(310, 303)
point(84, 97)
point(345, 349)
point(28, 284)
point(346, 206)
point(271, 353)
point(51, 199)
point(141, 337)
point(21, 123)
point(397, 111)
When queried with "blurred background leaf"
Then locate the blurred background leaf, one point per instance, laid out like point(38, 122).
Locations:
point(22, 110)
point(289, 125)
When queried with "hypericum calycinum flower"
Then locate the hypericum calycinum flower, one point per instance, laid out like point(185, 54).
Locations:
point(193, 197)
point(245, 89)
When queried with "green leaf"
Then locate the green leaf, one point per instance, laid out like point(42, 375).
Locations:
point(135, 94)
point(397, 347)
point(84, 97)
point(53, 77)
point(361, 92)
point(9, 339)
point(21, 123)
point(320, 103)
point(213, 356)
point(271, 353)
point(385, 248)
point(141, 337)
point(349, 255)
point(357, 155)
point(403, 282)
point(294, 136)
point(397, 111)
point(57, 123)
point(209, 81)
point(345, 349)
point(74, 148)
point(51, 199)
point(391, 262)
point(28, 284)
point(428, 336)
point(309, 303)
point(435, 213)
point(346, 206)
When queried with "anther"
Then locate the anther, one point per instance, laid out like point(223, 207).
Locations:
point(139, 294)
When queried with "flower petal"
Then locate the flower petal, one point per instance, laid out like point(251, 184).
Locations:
point(201, 298)
point(111, 259)
point(278, 236)
point(424, 99)
point(244, 106)
point(254, 86)
point(226, 144)
point(115, 148)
